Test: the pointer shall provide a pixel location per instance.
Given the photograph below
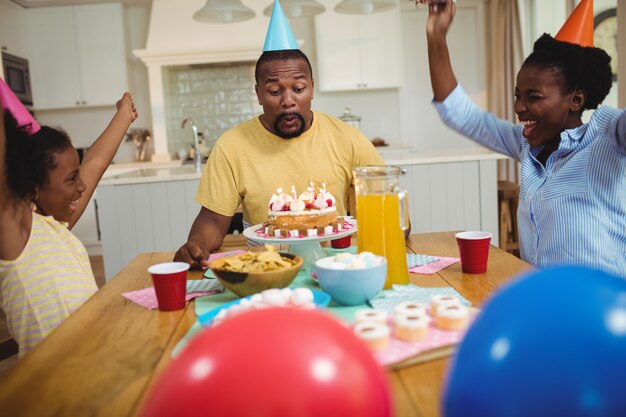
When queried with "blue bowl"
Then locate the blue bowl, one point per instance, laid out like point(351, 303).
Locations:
point(350, 287)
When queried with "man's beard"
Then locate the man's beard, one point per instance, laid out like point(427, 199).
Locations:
point(285, 135)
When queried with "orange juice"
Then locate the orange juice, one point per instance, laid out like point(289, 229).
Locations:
point(379, 232)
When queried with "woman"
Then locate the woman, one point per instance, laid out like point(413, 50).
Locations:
point(573, 175)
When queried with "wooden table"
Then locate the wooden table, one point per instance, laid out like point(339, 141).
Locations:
point(102, 359)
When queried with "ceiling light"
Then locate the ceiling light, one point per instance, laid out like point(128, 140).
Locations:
point(223, 11)
point(297, 8)
point(364, 6)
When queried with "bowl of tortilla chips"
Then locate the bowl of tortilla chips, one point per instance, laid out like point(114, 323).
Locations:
point(253, 272)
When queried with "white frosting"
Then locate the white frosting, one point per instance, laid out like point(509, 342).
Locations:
point(453, 311)
point(371, 330)
point(413, 321)
point(280, 200)
point(297, 205)
point(320, 202)
point(368, 314)
point(409, 307)
point(440, 299)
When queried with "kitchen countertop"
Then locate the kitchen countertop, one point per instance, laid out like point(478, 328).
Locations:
point(394, 155)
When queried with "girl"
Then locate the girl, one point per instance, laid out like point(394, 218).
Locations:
point(573, 175)
point(44, 269)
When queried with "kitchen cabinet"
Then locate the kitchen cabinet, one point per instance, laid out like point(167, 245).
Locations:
point(138, 217)
point(12, 35)
point(360, 52)
point(77, 55)
point(86, 228)
point(452, 196)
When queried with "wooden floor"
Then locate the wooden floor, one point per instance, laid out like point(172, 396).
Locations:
point(97, 266)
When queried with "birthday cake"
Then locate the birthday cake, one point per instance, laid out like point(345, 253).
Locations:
point(308, 214)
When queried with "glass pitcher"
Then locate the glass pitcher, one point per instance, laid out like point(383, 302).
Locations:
point(382, 211)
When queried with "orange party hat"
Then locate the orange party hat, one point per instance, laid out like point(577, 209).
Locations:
point(579, 26)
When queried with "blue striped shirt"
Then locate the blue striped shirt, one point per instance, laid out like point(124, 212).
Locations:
point(573, 210)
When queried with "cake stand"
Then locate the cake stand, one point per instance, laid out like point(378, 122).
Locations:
point(308, 248)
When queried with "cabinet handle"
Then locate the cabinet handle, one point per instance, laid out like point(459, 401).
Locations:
point(4, 48)
point(84, 103)
point(78, 103)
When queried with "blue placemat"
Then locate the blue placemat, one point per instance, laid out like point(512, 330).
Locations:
point(388, 299)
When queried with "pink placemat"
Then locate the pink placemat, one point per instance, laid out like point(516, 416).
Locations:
point(398, 350)
point(195, 288)
point(433, 267)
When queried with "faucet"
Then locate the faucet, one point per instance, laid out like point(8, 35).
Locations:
point(196, 146)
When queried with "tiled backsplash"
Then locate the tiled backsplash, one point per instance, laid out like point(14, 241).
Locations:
point(216, 96)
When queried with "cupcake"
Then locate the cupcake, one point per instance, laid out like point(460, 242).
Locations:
point(442, 300)
point(374, 334)
point(369, 314)
point(409, 307)
point(452, 317)
point(412, 327)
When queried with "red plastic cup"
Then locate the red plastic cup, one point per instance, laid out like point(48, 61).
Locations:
point(474, 250)
point(170, 284)
point(342, 242)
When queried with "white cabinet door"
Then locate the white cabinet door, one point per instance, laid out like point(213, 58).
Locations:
point(101, 53)
point(453, 196)
point(144, 217)
point(77, 55)
point(358, 52)
point(53, 64)
point(12, 36)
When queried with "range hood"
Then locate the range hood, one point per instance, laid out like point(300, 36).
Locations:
point(174, 38)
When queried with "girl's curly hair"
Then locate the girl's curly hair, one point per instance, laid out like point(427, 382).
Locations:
point(30, 158)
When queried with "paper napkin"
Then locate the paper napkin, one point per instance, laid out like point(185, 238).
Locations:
point(415, 259)
point(431, 268)
point(195, 288)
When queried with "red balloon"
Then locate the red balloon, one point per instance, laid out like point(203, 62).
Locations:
point(273, 363)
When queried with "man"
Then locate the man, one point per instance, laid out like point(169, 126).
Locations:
point(289, 144)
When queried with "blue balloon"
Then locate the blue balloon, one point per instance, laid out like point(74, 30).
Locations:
point(551, 343)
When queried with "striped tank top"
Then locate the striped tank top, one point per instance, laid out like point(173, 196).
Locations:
point(50, 279)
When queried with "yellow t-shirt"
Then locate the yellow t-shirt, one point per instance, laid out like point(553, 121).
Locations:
point(248, 163)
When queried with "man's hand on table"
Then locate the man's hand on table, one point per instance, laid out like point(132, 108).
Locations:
point(194, 253)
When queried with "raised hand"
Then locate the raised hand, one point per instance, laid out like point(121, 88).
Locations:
point(126, 107)
point(440, 16)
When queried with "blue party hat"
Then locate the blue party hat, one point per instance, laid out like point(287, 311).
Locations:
point(279, 35)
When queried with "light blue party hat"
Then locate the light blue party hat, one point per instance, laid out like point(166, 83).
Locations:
point(279, 35)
